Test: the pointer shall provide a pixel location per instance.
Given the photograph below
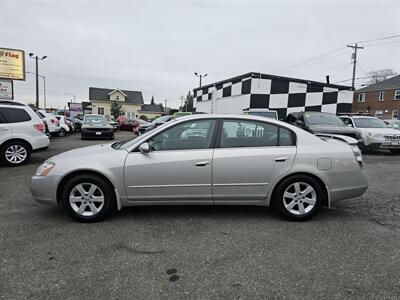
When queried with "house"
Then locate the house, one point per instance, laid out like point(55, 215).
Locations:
point(381, 99)
point(151, 111)
point(282, 94)
point(101, 99)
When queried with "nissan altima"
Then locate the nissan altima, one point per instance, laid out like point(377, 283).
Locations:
point(205, 160)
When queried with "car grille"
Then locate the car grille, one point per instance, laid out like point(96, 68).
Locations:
point(97, 129)
point(392, 137)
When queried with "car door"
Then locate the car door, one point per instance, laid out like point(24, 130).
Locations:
point(178, 167)
point(249, 155)
point(5, 131)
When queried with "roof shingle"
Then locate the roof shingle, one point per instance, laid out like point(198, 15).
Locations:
point(133, 97)
point(392, 83)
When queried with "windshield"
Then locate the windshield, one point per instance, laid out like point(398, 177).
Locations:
point(369, 123)
point(396, 124)
point(268, 114)
point(323, 119)
point(95, 120)
point(162, 119)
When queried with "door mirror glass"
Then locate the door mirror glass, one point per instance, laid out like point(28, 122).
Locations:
point(144, 148)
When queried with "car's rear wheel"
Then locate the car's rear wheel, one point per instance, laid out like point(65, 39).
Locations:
point(62, 132)
point(14, 153)
point(395, 151)
point(298, 197)
point(88, 198)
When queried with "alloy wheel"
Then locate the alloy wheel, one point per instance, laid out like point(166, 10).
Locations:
point(16, 154)
point(299, 198)
point(86, 199)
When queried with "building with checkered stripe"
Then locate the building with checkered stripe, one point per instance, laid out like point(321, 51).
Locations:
point(283, 94)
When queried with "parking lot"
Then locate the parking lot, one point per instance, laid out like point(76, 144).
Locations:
point(349, 251)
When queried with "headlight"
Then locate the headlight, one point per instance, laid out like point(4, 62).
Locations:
point(45, 168)
point(375, 135)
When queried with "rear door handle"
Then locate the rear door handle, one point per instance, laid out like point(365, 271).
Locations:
point(283, 158)
point(202, 163)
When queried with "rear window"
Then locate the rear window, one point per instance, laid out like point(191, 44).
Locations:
point(15, 115)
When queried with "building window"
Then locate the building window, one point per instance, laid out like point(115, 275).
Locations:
point(381, 96)
point(395, 114)
point(100, 110)
point(397, 95)
point(361, 97)
point(117, 97)
point(379, 113)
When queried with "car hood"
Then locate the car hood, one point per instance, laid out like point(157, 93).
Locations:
point(334, 130)
point(85, 151)
point(381, 130)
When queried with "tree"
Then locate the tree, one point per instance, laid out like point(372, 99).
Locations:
point(188, 106)
point(116, 109)
point(380, 75)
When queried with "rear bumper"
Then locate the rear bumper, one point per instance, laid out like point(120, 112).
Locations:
point(40, 143)
point(348, 185)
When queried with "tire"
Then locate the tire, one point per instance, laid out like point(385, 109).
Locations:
point(395, 151)
point(62, 133)
point(290, 206)
point(14, 153)
point(83, 138)
point(88, 210)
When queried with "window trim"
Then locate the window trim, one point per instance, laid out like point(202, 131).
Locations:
point(220, 127)
point(213, 136)
point(362, 98)
point(381, 93)
point(397, 113)
point(396, 94)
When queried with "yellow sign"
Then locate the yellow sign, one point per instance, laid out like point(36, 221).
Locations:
point(12, 64)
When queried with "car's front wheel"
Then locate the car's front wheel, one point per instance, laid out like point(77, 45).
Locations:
point(298, 198)
point(14, 153)
point(88, 198)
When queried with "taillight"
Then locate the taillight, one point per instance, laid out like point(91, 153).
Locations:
point(40, 127)
point(358, 156)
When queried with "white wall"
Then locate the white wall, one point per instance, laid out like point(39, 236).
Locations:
point(227, 105)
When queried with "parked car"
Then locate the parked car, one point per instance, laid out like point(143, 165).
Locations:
point(160, 121)
point(21, 133)
point(393, 123)
point(182, 113)
point(322, 123)
point(50, 121)
point(116, 125)
point(261, 112)
point(64, 126)
point(237, 160)
point(140, 126)
point(375, 133)
point(96, 126)
point(76, 123)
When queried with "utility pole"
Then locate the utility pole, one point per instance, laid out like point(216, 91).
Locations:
point(200, 76)
point(44, 87)
point(181, 108)
point(165, 106)
point(354, 57)
point(37, 58)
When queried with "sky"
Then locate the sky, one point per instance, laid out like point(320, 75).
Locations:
point(156, 46)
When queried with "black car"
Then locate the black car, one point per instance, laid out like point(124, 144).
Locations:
point(322, 123)
point(96, 126)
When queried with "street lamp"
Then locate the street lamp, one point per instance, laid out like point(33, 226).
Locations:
point(72, 96)
point(44, 87)
point(200, 76)
point(37, 58)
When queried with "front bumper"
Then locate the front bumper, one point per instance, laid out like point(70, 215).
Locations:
point(44, 189)
point(97, 134)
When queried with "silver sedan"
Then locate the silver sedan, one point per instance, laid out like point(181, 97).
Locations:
point(205, 160)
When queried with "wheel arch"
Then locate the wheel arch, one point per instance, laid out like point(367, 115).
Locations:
point(326, 201)
point(86, 172)
point(18, 140)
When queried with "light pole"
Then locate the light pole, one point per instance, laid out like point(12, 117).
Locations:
point(72, 96)
point(37, 58)
point(200, 76)
point(44, 87)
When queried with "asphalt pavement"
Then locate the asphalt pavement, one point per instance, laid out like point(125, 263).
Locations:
point(351, 251)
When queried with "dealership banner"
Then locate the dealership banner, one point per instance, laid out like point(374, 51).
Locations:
point(12, 64)
point(6, 89)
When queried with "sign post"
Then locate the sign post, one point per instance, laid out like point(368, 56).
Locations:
point(6, 89)
point(12, 64)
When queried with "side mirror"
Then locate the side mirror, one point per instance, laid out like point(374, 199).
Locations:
point(299, 123)
point(144, 148)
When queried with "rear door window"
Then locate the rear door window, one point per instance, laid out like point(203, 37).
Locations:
point(14, 115)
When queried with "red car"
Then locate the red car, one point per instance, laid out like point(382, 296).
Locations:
point(140, 126)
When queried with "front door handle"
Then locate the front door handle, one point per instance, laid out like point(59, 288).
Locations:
point(202, 163)
point(281, 159)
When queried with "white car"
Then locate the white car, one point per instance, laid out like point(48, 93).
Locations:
point(375, 133)
point(64, 128)
point(50, 120)
point(21, 132)
point(393, 123)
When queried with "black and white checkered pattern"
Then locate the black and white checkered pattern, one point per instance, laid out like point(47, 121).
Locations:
point(285, 95)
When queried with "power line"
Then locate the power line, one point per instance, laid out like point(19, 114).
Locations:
point(380, 39)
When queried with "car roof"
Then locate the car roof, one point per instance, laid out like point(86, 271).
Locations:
point(359, 117)
point(9, 102)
